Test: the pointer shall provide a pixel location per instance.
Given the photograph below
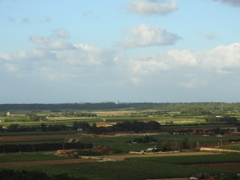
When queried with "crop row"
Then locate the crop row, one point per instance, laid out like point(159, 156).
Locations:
point(203, 159)
point(18, 157)
point(122, 170)
point(8, 148)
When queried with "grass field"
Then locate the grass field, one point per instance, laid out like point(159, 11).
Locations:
point(134, 169)
point(187, 160)
point(119, 143)
point(18, 157)
point(231, 147)
point(18, 117)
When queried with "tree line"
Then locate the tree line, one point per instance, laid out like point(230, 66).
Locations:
point(212, 106)
point(42, 127)
point(136, 126)
point(225, 118)
point(79, 114)
point(125, 126)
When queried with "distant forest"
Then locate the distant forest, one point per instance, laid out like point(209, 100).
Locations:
point(212, 106)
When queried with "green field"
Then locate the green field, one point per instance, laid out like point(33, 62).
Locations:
point(187, 160)
point(17, 157)
point(231, 147)
point(137, 168)
point(119, 143)
point(133, 168)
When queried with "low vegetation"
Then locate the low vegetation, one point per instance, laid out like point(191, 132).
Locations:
point(231, 147)
point(21, 156)
point(36, 175)
point(138, 168)
point(176, 122)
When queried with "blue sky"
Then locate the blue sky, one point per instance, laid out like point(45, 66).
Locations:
point(130, 50)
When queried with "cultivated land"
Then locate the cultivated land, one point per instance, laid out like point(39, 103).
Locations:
point(116, 143)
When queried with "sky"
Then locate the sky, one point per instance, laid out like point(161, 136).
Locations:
point(76, 51)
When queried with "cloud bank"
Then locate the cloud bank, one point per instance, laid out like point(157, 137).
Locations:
point(56, 60)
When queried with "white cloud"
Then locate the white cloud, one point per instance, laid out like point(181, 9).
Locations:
point(135, 81)
point(222, 60)
point(220, 57)
point(51, 43)
point(60, 45)
point(194, 83)
point(235, 3)
point(208, 36)
point(151, 7)
point(146, 35)
point(184, 57)
point(55, 60)
point(40, 40)
point(61, 33)
point(11, 67)
point(223, 72)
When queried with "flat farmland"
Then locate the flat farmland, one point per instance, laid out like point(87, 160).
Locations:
point(37, 163)
point(113, 157)
point(35, 138)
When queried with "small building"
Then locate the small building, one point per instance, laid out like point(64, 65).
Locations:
point(151, 149)
point(80, 129)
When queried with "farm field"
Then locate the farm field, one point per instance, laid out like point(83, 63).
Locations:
point(231, 167)
point(36, 138)
point(232, 147)
point(22, 157)
point(119, 140)
point(142, 168)
point(104, 118)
